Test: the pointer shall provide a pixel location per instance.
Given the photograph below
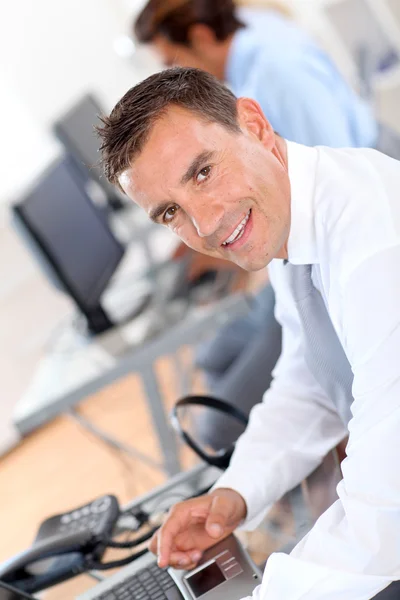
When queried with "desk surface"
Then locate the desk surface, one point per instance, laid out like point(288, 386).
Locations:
point(75, 366)
point(287, 522)
point(81, 367)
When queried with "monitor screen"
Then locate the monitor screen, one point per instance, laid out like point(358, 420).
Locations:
point(76, 131)
point(9, 593)
point(72, 232)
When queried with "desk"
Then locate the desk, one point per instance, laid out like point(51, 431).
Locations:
point(287, 522)
point(78, 367)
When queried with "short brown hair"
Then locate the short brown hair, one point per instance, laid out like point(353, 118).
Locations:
point(126, 130)
point(174, 18)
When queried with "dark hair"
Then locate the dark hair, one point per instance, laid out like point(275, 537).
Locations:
point(125, 132)
point(174, 18)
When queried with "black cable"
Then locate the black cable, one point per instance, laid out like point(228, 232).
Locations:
point(133, 543)
point(91, 564)
point(144, 518)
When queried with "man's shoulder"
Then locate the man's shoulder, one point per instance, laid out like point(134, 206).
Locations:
point(354, 176)
point(356, 207)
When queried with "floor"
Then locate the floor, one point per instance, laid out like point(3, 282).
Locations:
point(62, 466)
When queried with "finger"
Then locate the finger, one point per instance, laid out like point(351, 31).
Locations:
point(181, 518)
point(154, 543)
point(184, 560)
point(216, 522)
point(176, 521)
point(194, 538)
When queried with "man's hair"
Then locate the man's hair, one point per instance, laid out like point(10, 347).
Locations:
point(125, 132)
point(174, 18)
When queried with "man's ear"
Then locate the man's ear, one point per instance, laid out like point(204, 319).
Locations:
point(253, 121)
point(202, 38)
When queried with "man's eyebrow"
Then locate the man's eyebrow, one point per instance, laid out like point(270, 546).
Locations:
point(159, 210)
point(195, 165)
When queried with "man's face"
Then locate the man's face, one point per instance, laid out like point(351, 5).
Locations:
point(224, 194)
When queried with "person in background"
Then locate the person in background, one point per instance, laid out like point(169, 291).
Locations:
point(260, 52)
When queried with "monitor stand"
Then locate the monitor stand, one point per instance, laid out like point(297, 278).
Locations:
point(102, 318)
point(98, 320)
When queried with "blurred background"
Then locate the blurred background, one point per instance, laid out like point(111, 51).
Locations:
point(53, 55)
point(61, 64)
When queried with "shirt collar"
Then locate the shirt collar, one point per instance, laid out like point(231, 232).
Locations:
point(302, 166)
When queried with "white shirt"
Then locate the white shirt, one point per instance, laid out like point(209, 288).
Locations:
point(346, 223)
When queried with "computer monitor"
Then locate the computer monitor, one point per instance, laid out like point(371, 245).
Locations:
point(76, 131)
point(8, 592)
point(71, 238)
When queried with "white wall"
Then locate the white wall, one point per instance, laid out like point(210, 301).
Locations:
point(51, 52)
point(25, 146)
point(55, 51)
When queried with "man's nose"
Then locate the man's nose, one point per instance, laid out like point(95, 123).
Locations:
point(207, 219)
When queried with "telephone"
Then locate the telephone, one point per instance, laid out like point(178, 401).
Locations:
point(63, 546)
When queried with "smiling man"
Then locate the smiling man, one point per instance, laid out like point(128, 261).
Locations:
point(327, 222)
point(213, 198)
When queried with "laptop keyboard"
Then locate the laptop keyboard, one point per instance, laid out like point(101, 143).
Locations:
point(151, 583)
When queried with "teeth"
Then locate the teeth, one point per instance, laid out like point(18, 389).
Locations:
point(237, 234)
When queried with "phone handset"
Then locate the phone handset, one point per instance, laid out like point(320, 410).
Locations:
point(64, 546)
point(28, 570)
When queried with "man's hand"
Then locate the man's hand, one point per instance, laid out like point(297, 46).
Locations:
point(195, 525)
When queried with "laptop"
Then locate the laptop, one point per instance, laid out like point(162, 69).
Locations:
point(226, 572)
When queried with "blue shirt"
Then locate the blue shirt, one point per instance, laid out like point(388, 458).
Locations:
point(298, 87)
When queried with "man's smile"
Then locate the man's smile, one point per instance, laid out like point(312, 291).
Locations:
point(241, 230)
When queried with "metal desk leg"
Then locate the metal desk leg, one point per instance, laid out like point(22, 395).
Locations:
point(164, 432)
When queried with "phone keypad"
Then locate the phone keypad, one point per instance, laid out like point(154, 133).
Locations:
point(90, 516)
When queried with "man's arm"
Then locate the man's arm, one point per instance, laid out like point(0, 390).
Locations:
point(291, 431)
point(353, 551)
point(288, 436)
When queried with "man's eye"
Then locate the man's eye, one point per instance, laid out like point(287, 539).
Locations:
point(203, 174)
point(170, 213)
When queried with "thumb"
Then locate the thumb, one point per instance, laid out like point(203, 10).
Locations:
point(217, 518)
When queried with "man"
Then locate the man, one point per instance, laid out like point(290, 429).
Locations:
point(264, 55)
point(211, 168)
